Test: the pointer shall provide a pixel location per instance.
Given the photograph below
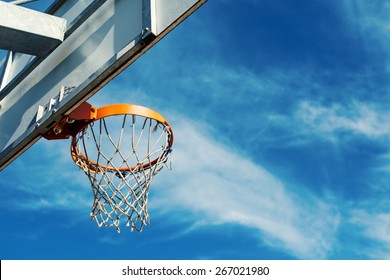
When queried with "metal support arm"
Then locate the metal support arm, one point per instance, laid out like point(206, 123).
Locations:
point(27, 31)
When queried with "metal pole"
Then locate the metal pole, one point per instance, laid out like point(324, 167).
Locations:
point(20, 2)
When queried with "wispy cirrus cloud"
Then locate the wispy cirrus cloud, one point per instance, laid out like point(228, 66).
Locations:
point(212, 184)
point(356, 118)
point(47, 179)
point(370, 20)
point(375, 227)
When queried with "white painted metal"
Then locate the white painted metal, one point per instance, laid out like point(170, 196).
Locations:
point(103, 37)
point(27, 31)
point(21, 2)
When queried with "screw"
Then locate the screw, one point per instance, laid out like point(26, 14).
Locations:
point(57, 130)
point(70, 120)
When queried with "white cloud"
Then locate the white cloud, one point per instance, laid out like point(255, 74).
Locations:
point(356, 118)
point(375, 227)
point(45, 177)
point(336, 122)
point(370, 19)
point(213, 184)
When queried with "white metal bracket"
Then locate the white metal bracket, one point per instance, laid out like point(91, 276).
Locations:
point(53, 105)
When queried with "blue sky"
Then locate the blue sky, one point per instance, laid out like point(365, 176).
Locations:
point(281, 149)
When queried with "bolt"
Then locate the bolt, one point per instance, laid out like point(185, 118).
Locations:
point(70, 120)
point(57, 130)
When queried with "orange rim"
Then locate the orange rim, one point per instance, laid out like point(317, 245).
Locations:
point(115, 110)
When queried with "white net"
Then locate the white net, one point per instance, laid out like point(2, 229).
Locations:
point(120, 155)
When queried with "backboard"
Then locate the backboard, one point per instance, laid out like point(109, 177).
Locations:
point(101, 38)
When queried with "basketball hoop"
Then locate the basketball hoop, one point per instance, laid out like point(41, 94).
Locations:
point(120, 148)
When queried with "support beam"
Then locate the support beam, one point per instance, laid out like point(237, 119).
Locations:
point(21, 2)
point(27, 31)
